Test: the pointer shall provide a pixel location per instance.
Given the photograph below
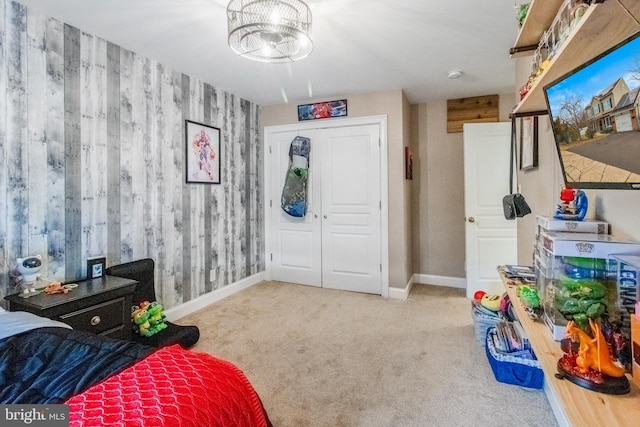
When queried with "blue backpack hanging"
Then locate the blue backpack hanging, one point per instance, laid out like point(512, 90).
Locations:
point(294, 192)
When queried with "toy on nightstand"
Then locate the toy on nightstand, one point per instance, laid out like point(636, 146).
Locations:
point(573, 205)
point(27, 273)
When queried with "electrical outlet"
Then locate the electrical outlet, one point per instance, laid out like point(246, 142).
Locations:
point(212, 275)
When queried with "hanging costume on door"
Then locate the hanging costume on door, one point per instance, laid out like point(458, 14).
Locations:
point(294, 192)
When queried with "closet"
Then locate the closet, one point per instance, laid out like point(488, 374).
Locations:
point(338, 244)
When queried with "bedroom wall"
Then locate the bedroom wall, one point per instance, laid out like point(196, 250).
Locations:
point(395, 105)
point(92, 155)
point(438, 210)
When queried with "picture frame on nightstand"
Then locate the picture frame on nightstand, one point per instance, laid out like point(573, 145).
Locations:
point(96, 267)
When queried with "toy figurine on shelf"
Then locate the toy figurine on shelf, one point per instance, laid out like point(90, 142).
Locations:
point(573, 205)
point(591, 365)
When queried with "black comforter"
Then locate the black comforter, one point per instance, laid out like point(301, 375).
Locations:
point(49, 365)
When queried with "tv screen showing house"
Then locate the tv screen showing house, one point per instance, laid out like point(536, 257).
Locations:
point(595, 111)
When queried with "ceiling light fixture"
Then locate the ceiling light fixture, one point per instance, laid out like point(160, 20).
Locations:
point(270, 30)
point(455, 74)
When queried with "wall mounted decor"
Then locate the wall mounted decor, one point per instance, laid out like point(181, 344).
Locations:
point(528, 142)
point(476, 109)
point(408, 163)
point(202, 153)
point(322, 110)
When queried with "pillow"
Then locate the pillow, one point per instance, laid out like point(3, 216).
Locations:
point(17, 322)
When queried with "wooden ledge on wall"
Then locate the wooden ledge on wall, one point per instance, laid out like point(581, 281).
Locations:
point(477, 109)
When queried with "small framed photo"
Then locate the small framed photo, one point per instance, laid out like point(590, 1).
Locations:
point(96, 267)
point(528, 142)
point(202, 156)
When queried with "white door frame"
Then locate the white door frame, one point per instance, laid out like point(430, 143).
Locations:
point(381, 121)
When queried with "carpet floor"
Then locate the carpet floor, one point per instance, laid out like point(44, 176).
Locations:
point(319, 357)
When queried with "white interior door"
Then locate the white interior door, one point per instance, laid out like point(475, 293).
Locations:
point(490, 239)
point(296, 242)
point(338, 243)
point(351, 256)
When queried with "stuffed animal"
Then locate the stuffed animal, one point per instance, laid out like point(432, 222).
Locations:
point(141, 325)
point(148, 318)
point(156, 317)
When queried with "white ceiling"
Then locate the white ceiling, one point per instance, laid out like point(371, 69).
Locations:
point(360, 46)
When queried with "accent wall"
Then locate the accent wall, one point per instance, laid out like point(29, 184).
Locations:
point(92, 163)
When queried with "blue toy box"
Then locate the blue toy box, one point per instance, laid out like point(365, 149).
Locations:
point(511, 369)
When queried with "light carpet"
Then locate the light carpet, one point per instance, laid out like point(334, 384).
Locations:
point(319, 357)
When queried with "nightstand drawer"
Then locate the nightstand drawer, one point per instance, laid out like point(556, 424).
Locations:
point(97, 318)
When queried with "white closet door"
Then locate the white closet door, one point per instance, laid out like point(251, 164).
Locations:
point(351, 252)
point(296, 245)
point(338, 243)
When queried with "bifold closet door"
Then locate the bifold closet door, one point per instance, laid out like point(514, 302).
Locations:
point(351, 253)
point(296, 242)
point(337, 244)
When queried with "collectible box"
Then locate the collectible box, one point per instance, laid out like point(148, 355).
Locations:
point(584, 226)
point(635, 348)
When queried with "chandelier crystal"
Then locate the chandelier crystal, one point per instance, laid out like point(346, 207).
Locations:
point(270, 30)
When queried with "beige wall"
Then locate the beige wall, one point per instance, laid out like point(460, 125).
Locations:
point(396, 107)
point(438, 193)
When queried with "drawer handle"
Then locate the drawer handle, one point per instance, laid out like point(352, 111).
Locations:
point(95, 320)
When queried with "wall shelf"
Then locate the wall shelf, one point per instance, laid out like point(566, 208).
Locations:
point(578, 406)
point(539, 17)
point(602, 26)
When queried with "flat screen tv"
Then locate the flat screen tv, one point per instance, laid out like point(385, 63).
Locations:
point(595, 116)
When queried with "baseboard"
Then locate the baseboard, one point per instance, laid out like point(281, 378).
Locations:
point(175, 313)
point(401, 293)
point(450, 282)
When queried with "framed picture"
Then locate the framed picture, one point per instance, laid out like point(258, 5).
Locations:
point(408, 163)
point(202, 156)
point(322, 110)
point(528, 142)
point(96, 267)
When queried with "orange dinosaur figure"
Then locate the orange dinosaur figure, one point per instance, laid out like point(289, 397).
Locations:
point(593, 352)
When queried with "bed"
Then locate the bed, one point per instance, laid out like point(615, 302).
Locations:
point(113, 382)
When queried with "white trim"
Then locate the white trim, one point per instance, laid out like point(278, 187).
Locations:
point(556, 407)
point(380, 120)
point(175, 313)
point(451, 282)
point(401, 293)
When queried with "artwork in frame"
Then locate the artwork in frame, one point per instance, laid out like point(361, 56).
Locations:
point(528, 142)
point(322, 110)
point(96, 267)
point(202, 156)
point(408, 163)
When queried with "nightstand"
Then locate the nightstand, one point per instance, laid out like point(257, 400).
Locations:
point(101, 306)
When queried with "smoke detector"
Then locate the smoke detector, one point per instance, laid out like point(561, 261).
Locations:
point(454, 74)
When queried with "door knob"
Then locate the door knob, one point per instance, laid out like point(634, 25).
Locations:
point(471, 219)
point(325, 217)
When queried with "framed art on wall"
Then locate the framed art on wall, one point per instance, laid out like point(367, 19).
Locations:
point(202, 155)
point(322, 110)
point(528, 142)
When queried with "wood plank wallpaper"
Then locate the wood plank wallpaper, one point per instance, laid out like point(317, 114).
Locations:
point(92, 162)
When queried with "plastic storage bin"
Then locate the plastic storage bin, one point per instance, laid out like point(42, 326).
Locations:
point(510, 369)
point(482, 323)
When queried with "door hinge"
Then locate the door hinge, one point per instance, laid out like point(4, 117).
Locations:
point(269, 149)
point(270, 203)
point(380, 268)
point(271, 257)
point(380, 204)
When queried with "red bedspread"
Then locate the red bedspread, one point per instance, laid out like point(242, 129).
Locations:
point(171, 387)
